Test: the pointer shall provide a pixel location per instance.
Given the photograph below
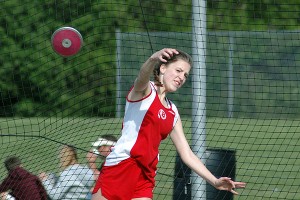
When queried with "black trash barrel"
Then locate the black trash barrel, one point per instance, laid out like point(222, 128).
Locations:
point(182, 181)
point(221, 162)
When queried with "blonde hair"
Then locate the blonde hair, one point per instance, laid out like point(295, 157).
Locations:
point(68, 156)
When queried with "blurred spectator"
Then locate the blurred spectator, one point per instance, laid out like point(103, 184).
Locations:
point(22, 184)
point(75, 180)
point(6, 196)
point(102, 147)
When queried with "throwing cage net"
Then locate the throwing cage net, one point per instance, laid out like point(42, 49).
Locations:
point(240, 105)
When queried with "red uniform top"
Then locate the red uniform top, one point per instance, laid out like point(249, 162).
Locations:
point(146, 123)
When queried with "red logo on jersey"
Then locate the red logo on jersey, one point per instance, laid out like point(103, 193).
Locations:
point(162, 114)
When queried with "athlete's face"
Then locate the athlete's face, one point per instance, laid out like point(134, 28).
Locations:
point(175, 74)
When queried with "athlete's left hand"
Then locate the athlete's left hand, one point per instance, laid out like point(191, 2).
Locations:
point(225, 183)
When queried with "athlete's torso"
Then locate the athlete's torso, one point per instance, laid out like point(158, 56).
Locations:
point(146, 123)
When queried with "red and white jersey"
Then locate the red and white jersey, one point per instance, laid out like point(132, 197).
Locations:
point(146, 123)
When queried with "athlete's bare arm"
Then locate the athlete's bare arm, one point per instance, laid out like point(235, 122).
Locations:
point(141, 84)
point(193, 162)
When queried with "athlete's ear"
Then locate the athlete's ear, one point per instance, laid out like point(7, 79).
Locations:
point(162, 68)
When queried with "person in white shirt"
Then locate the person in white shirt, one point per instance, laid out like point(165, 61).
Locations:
point(74, 181)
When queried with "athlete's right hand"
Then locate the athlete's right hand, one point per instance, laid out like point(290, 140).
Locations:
point(164, 55)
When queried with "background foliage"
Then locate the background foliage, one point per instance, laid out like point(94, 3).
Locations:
point(34, 81)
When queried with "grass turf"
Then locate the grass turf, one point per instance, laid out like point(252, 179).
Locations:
point(267, 151)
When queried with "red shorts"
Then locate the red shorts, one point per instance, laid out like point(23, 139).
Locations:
point(124, 181)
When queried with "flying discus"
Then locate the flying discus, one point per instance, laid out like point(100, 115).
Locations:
point(66, 41)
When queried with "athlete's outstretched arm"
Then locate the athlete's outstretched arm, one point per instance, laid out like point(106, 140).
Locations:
point(194, 163)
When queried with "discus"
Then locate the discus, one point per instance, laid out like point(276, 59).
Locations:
point(66, 41)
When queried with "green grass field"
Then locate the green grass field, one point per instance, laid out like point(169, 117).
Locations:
point(267, 151)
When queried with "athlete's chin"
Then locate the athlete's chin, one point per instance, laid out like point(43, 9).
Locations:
point(173, 89)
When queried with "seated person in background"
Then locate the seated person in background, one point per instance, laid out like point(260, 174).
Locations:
point(6, 196)
point(75, 180)
point(102, 147)
point(22, 184)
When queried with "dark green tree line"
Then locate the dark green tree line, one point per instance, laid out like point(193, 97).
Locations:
point(34, 81)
